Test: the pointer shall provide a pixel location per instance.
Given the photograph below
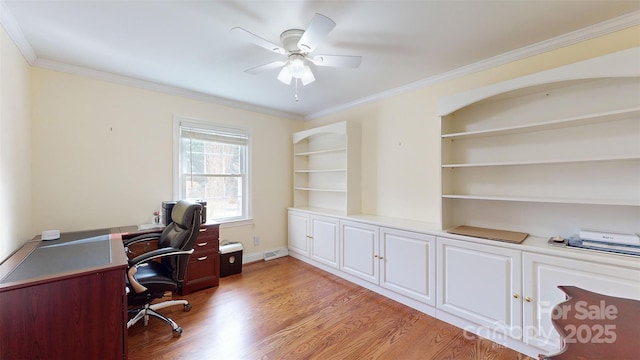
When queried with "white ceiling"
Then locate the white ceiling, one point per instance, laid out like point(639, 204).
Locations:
point(187, 45)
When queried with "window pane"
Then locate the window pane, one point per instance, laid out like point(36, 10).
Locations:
point(207, 157)
point(223, 194)
point(220, 158)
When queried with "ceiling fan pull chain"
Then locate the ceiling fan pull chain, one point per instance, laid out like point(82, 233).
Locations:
point(296, 85)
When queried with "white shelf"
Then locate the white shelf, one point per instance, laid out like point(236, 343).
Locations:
point(326, 168)
point(548, 154)
point(327, 151)
point(549, 125)
point(320, 171)
point(322, 190)
point(584, 201)
point(545, 162)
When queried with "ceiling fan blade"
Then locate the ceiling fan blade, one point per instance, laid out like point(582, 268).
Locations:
point(337, 60)
point(245, 35)
point(266, 67)
point(317, 30)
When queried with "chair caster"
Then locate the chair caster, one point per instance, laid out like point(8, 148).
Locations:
point(177, 332)
point(187, 307)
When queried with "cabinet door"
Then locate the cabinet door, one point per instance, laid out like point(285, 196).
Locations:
point(324, 240)
point(298, 233)
point(359, 250)
point(478, 282)
point(542, 276)
point(407, 262)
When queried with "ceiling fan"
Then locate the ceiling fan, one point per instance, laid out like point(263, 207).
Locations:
point(297, 45)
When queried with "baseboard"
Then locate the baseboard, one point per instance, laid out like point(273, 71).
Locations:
point(260, 256)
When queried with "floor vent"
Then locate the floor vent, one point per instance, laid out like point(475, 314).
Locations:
point(270, 255)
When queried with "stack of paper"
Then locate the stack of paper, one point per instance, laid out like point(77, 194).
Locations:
point(618, 243)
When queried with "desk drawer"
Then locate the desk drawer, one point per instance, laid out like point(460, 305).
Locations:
point(202, 271)
point(208, 232)
point(204, 245)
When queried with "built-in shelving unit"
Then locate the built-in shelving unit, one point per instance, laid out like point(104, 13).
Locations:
point(554, 153)
point(327, 168)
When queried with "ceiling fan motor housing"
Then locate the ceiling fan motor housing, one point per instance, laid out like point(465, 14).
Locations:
point(290, 39)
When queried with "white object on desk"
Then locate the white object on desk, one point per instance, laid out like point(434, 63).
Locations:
point(150, 226)
point(50, 235)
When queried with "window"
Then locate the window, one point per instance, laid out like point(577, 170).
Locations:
point(212, 166)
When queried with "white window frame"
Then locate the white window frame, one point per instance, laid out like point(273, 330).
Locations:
point(178, 185)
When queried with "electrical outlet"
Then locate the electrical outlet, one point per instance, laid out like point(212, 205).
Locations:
point(256, 240)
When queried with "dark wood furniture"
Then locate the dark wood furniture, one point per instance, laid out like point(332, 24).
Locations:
point(203, 270)
point(596, 326)
point(65, 299)
point(204, 265)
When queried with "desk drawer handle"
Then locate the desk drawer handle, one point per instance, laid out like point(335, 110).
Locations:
point(203, 229)
point(202, 258)
point(203, 244)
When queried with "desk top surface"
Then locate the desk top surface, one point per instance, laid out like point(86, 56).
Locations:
point(73, 252)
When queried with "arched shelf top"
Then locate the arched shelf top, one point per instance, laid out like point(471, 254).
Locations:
point(625, 63)
point(337, 128)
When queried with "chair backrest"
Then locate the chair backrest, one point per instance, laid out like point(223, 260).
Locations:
point(181, 234)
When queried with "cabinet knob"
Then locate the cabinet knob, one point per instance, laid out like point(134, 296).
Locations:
point(375, 256)
point(203, 244)
point(516, 296)
point(309, 237)
point(527, 299)
point(202, 258)
point(381, 258)
point(203, 229)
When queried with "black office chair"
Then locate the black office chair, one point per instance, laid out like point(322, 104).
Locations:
point(149, 279)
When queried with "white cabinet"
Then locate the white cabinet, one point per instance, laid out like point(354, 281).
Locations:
point(502, 292)
point(408, 264)
point(326, 168)
point(324, 240)
point(549, 153)
point(481, 284)
point(314, 237)
point(360, 250)
point(298, 233)
point(542, 276)
point(400, 261)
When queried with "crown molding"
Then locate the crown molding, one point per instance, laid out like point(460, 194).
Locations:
point(15, 33)
point(153, 86)
point(574, 37)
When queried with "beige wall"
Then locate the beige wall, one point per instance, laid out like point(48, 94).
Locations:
point(102, 156)
point(401, 134)
point(15, 165)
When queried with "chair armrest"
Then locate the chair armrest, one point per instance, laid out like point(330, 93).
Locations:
point(158, 253)
point(141, 238)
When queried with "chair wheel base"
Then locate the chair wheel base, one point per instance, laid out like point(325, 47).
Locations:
point(177, 332)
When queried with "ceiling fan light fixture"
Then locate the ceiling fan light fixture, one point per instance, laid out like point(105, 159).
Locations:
point(296, 65)
point(307, 76)
point(285, 75)
point(296, 68)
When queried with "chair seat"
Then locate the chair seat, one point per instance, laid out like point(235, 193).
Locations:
point(155, 277)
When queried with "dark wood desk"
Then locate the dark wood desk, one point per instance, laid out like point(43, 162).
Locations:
point(65, 299)
point(596, 326)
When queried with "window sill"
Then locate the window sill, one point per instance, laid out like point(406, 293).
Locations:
point(236, 223)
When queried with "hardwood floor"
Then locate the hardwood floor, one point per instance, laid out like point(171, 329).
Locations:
point(286, 309)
